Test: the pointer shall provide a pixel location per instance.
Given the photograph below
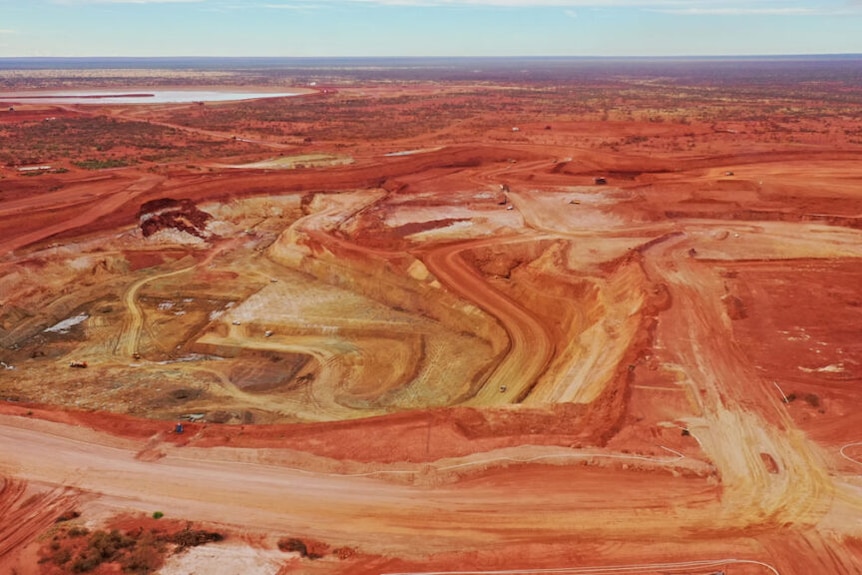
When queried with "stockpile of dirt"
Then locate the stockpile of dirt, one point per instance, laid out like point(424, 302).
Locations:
point(167, 213)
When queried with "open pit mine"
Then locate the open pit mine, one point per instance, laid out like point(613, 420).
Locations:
point(605, 322)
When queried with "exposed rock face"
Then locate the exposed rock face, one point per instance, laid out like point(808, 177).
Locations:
point(168, 213)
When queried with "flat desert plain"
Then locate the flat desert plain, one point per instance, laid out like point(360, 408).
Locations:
point(582, 319)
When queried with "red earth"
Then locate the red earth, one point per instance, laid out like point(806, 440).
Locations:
point(407, 325)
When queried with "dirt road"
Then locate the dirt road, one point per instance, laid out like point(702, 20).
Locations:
point(384, 516)
point(733, 434)
point(89, 209)
point(530, 343)
point(130, 339)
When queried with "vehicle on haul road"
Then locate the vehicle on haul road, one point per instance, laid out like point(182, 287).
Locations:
point(80, 364)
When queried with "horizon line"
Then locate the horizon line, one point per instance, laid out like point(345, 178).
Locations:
point(431, 57)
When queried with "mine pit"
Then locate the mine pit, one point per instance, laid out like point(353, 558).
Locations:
point(354, 343)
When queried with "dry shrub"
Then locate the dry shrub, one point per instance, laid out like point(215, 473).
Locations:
point(295, 545)
point(193, 537)
point(139, 551)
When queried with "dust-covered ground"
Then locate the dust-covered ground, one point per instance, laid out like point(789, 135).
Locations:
point(579, 323)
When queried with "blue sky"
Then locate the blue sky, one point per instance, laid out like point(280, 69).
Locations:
point(428, 27)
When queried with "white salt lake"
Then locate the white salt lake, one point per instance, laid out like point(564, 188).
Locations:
point(137, 96)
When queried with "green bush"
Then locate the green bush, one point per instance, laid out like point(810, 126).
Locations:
point(92, 164)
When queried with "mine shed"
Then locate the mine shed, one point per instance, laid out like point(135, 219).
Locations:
point(31, 169)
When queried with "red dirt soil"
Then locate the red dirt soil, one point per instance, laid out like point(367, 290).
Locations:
point(477, 359)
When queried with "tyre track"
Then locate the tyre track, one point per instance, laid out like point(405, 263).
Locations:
point(25, 517)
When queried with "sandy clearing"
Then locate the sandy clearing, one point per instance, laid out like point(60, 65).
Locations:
point(295, 162)
point(227, 559)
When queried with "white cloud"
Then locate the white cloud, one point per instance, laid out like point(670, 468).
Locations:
point(677, 7)
point(674, 7)
point(777, 7)
point(562, 3)
point(739, 11)
point(298, 7)
point(78, 2)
